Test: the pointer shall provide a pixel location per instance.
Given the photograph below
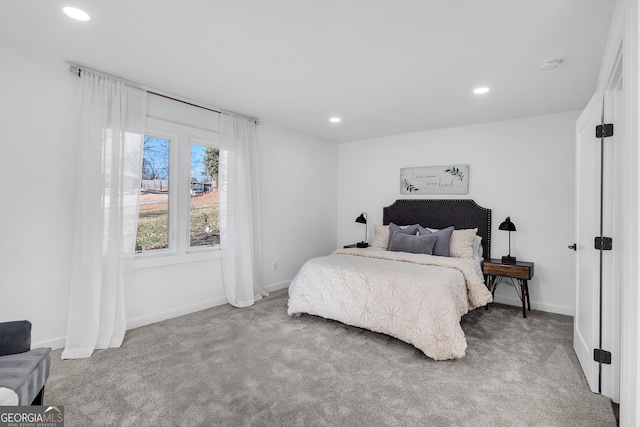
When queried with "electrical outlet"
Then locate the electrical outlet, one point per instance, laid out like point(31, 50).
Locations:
point(275, 266)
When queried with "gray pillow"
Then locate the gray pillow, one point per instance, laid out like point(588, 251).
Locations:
point(393, 228)
point(15, 337)
point(401, 242)
point(443, 241)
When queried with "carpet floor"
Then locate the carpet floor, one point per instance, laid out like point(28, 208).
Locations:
point(257, 366)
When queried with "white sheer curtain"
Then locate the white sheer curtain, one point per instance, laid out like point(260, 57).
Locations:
point(239, 210)
point(110, 143)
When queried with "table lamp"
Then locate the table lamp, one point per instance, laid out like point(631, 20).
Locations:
point(362, 219)
point(507, 225)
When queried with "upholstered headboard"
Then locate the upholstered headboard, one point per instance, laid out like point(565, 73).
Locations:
point(461, 213)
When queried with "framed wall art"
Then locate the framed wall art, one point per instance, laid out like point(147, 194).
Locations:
point(450, 179)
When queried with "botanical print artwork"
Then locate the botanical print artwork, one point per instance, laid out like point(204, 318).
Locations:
point(449, 179)
point(409, 187)
point(455, 172)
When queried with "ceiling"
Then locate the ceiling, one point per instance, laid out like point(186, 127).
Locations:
point(384, 67)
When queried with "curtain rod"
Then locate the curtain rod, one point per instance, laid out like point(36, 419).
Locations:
point(77, 70)
point(184, 102)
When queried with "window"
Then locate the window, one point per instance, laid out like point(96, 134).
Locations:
point(153, 212)
point(178, 213)
point(204, 229)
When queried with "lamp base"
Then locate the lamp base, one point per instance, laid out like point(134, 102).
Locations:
point(508, 259)
point(362, 245)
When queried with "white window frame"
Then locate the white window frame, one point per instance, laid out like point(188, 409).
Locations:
point(179, 251)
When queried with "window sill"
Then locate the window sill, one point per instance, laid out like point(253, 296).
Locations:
point(142, 261)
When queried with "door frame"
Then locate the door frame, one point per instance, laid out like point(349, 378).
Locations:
point(623, 32)
point(613, 200)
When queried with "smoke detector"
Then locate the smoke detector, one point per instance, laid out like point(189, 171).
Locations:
point(552, 64)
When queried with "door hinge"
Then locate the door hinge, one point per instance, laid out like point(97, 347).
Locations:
point(604, 130)
point(602, 356)
point(604, 243)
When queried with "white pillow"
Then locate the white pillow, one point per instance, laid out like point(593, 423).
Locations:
point(462, 243)
point(8, 397)
point(380, 236)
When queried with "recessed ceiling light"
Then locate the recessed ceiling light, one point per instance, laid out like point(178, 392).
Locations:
point(76, 13)
point(335, 119)
point(481, 90)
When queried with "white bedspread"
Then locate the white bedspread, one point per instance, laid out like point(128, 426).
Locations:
point(416, 298)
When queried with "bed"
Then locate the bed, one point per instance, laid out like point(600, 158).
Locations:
point(394, 288)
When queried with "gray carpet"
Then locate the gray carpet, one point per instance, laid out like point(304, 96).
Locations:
point(259, 367)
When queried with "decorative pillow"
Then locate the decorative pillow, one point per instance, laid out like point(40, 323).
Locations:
point(380, 236)
point(443, 236)
point(393, 228)
point(15, 337)
point(413, 244)
point(462, 243)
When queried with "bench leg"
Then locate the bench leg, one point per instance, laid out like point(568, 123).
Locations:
point(37, 401)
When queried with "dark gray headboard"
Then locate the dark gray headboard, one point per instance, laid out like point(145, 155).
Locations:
point(461, 213)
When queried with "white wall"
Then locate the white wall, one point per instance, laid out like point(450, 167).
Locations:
point(38, 106)
point(298, 198)
point(519, 168)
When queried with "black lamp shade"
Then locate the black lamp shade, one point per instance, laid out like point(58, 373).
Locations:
point(361, 219)
point(507, 225)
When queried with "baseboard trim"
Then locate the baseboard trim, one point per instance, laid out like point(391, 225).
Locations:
point(170, 314)
point(55, 344)
point(537, 306)
point(58, 343)
point(159, 317)
point(277, 286)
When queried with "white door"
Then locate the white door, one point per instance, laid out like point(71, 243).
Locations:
point(603, 378)
point(586, 321)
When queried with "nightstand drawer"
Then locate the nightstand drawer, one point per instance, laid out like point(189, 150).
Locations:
point(516, 271)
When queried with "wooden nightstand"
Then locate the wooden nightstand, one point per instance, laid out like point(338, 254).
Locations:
point(496, 272)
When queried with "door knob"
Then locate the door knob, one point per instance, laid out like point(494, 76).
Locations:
point(574, 247)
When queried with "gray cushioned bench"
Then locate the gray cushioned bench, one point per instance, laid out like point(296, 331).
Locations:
point(23, 370)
